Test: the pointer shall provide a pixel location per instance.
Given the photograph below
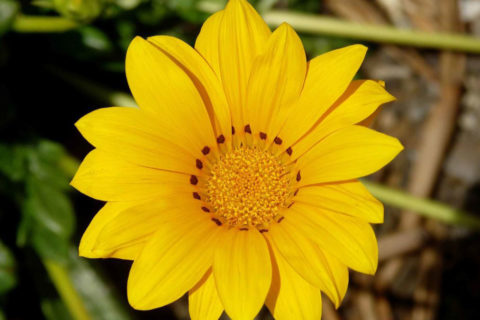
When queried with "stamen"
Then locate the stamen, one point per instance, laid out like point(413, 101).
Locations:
point(248, 129)
point(298, 176)
point(196, 196)
point(296, 192)
point(205, 209)
point(233, 130)
point(277, 140)
point(263, 135)
point(248, 187)
point(289, 151)
point(263, 230)
point(282, 217)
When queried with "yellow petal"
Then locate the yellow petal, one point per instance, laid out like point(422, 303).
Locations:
point(208, 84)
point(359, 101)
point(290, 296)
point(133, 135)
point(276, 79)
point(346, 154)
point(106, 177)
point(243, 272)
point(350, 198)
point(135, 225)
point(88, 242)
point(327, 78)
point(207, 42)
point(173, 261)
point(306, 258)
point(349, 239)
point(242, 36)
point(203, 300)
point(163, 89)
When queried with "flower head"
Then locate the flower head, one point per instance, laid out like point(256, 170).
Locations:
point(235, 179)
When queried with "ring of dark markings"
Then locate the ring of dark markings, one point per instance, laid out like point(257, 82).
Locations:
point(196, 196)
point(217, 222)
point(193, 180)
point(199, 164)
point(206, 150)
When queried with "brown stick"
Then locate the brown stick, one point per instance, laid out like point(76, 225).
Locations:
point(398, 243)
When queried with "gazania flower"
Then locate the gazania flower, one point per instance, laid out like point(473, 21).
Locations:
point(235, 179)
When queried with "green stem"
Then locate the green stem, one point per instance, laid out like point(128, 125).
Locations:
point(426, 207)
point(61, 280)
point(325, 25)
point(36, 24)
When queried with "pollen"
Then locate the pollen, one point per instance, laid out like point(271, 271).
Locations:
point(247, 187)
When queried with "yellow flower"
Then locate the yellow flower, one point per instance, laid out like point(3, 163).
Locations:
point(235, 179)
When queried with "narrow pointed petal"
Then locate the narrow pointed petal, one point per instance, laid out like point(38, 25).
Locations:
point(163, 89)
point(203, 300)
point(243, 272)
point(133, 135)
point(202, 75)
point(359, 101)
point(88, 248)
point(138, 223)
point(173, 261)
point(307, 259)
point(242, 36)
point(346, 154)
point(207, 42)
point(290, 296)
point(106, 177)
point(276, 79)
point(350, 240)
point(350, 198)
point(328, 76)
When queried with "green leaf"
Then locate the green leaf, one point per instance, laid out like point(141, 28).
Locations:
point(8, 11)
point(49, 207)
point(54, 309)
point(100, 298)
point(8, 279)
point(13, 162)
point(49, 245)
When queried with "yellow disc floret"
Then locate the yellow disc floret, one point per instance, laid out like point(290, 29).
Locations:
point(247, 187)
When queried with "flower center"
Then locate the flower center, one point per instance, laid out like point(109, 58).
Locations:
point(247, 187)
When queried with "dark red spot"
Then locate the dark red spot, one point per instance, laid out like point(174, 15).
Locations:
point(263, 230)
point(277, 140)
point(233, 130)
point(199, 164)
point(196, 196)
point(193, 179)
point(248, 129)
point(243, 229)
point(221, 139)
point(298, 176)
point(205, 150)
point(289, 151)
point(205, 209)
point(218, 222)
point(263, 135)
point(289, 206)
point(281, 219)
point(295, 193)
